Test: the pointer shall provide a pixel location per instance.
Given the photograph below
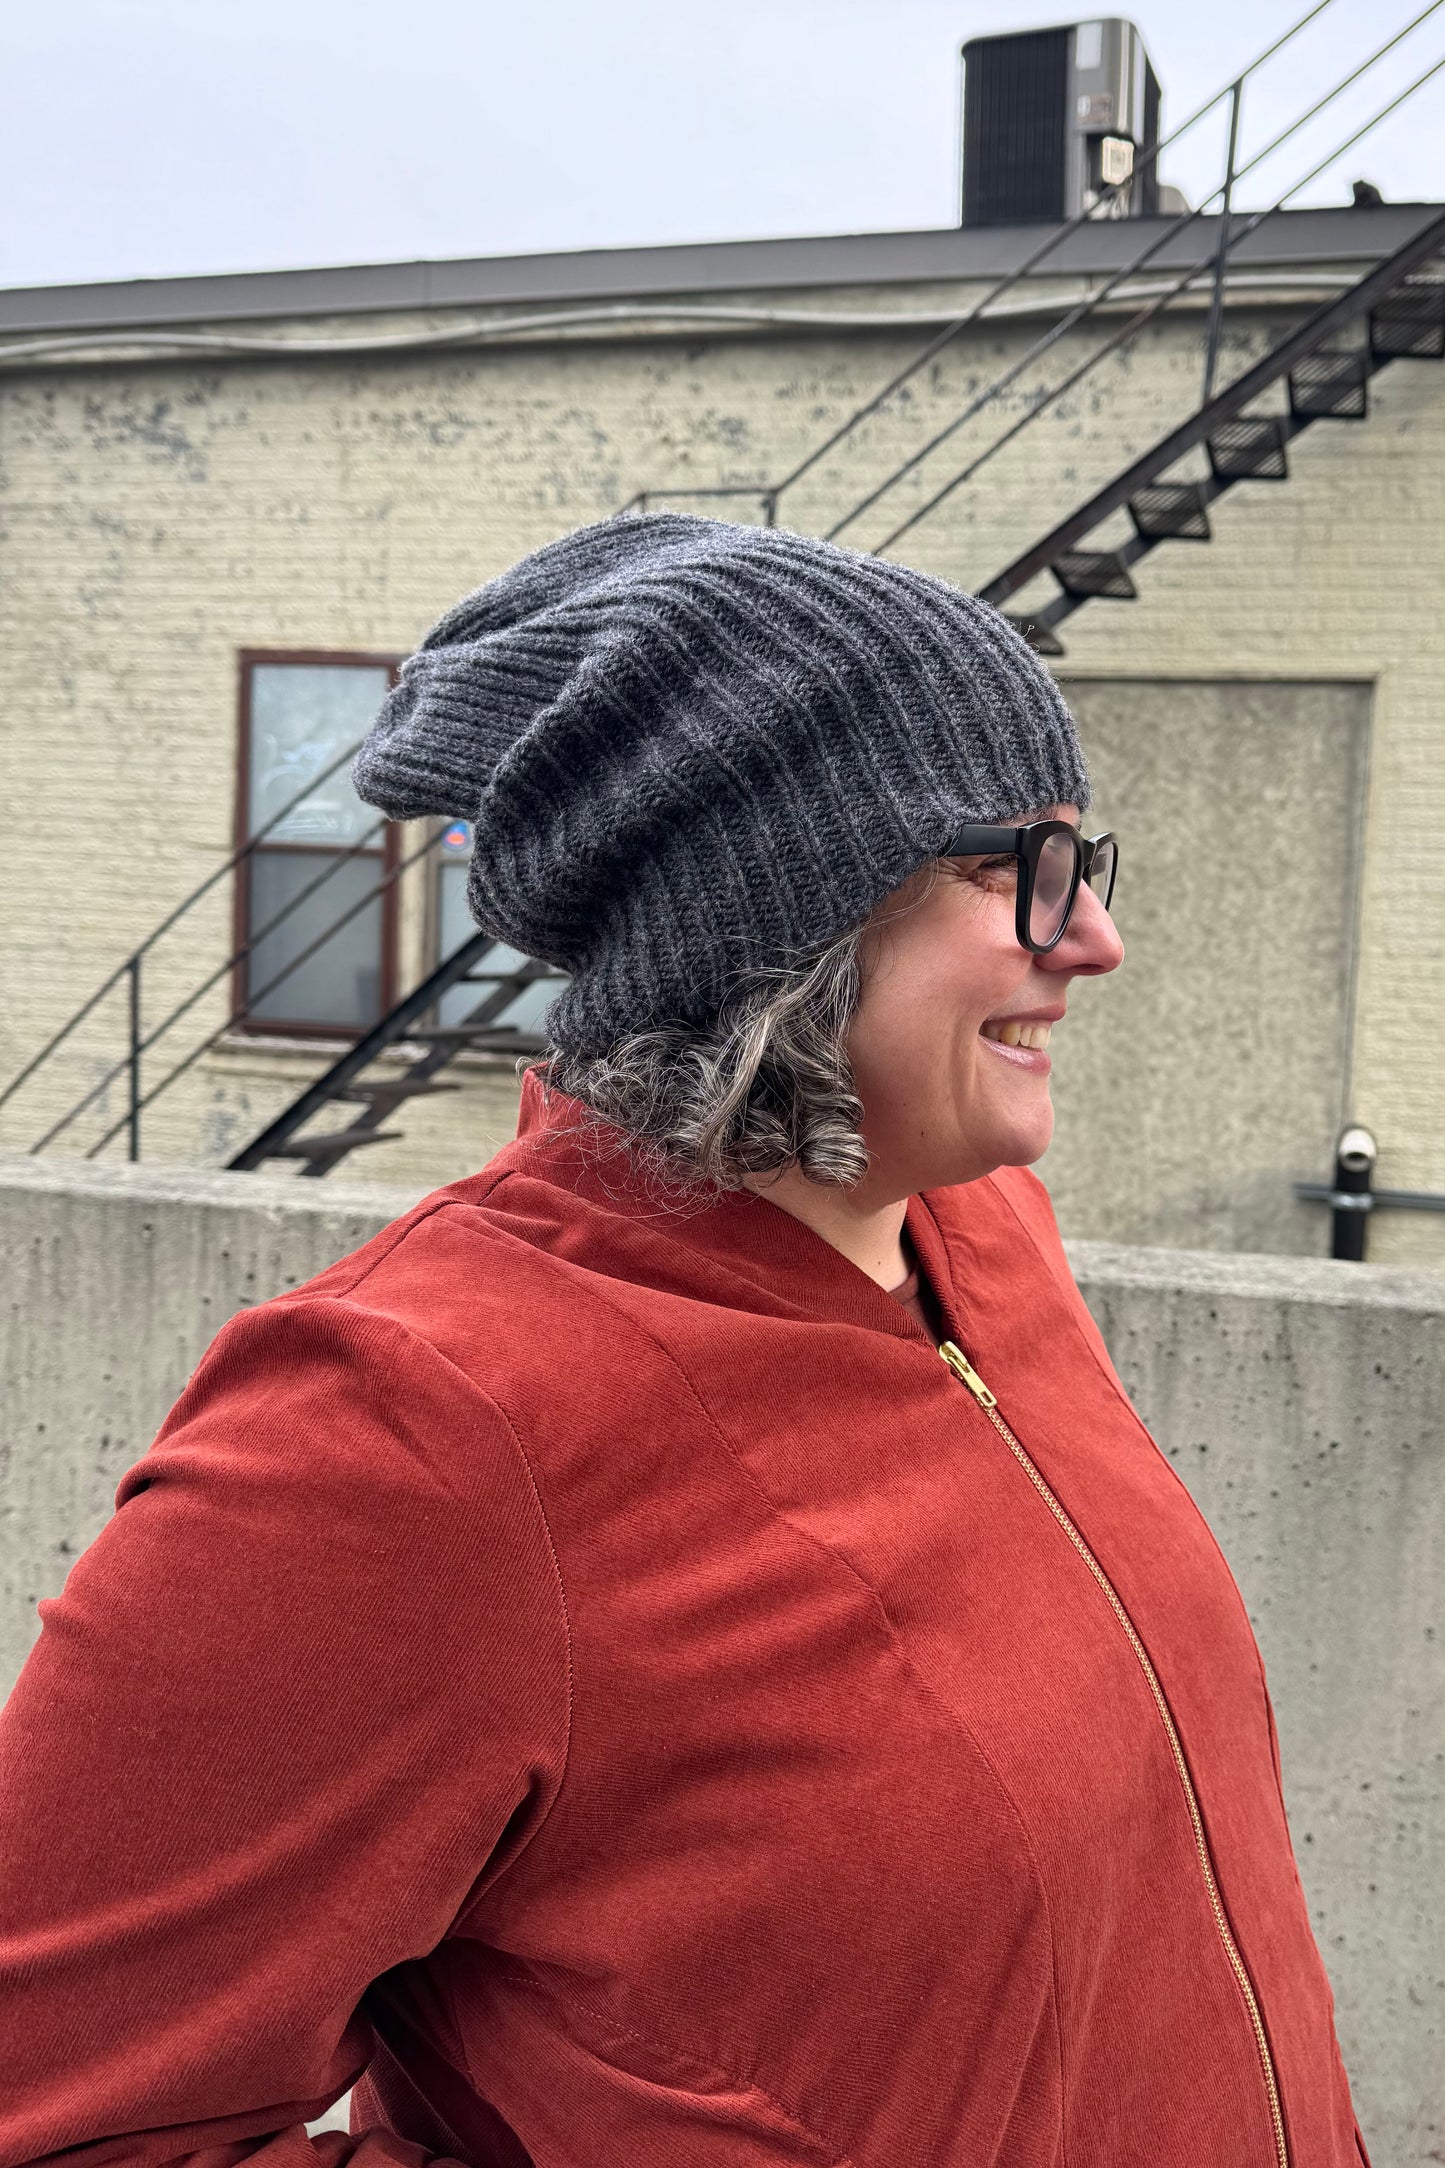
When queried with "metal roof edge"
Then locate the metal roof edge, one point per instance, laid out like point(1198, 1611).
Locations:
point(945, 253)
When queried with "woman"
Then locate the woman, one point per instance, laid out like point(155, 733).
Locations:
point(583, 1671)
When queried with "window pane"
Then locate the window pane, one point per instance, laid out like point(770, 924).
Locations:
point(341, 983)
point(456, 925)
point(302, 716)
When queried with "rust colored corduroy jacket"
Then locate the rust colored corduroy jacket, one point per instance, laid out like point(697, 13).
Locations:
point(594, 1679)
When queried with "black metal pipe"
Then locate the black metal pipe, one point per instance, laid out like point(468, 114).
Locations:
point(133, 1115)
point(1351, 1202)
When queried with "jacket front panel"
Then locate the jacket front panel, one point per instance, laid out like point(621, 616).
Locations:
point(851, 1707)
point(1166, 1567)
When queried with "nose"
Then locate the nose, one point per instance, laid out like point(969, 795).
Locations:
point(1091, 944)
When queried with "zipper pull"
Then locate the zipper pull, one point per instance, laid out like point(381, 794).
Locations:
point(962, 1368)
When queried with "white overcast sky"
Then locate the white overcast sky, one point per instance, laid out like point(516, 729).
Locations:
point(146, 138)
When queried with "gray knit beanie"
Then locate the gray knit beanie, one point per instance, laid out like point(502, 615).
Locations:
point(691, 749)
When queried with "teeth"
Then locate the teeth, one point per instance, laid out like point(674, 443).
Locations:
point(1012, 1034)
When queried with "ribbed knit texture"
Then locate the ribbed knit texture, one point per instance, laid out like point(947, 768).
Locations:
point(692, 749)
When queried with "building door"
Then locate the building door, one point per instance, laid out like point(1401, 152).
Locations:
point(313, 898)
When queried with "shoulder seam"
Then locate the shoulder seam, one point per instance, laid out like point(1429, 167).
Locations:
point(341, 1299)
point(561, 1587)
point(399, 1231)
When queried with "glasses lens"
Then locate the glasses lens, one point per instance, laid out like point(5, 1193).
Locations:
point(1053, 886)
point(1101, 873)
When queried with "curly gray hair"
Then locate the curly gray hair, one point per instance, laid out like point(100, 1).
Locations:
point(766, 1085)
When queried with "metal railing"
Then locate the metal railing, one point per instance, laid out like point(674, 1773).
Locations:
point(1211, 269)
point(129, 970)
point(1230, 240)
point(130, 975)
point(140, 1099)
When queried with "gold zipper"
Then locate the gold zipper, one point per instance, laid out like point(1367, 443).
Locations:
point(963, 1369)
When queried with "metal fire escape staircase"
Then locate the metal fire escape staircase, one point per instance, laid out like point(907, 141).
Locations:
point(1321, 370)
point(1396, 312)
point(378, 1097)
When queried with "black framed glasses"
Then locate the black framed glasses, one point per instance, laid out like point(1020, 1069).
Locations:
point(1054, 859)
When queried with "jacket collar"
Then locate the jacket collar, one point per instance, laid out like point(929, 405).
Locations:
point(742, 1234)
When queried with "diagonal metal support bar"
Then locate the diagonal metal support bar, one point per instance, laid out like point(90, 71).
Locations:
point(1221, 260)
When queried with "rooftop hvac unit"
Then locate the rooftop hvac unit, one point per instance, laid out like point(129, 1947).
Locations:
point(1052, 117)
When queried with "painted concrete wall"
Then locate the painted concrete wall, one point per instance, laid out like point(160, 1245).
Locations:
point(156, 518)
point(1194, 1084)
point(1299, 1399)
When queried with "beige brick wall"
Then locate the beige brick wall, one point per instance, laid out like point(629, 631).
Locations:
point(157, 517)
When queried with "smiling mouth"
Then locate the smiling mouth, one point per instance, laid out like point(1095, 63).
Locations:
point(1007, 1033)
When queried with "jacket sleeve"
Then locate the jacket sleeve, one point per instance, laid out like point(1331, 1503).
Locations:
point(305, 1694)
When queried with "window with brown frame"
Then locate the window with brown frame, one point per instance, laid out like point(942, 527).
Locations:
point(314, 905)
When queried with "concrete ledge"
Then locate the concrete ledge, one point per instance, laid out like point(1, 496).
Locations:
point(1298, 1398)
point(1315, 1280)
point(22, 1175)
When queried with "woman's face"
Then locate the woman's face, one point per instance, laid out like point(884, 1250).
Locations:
point(945, 1099)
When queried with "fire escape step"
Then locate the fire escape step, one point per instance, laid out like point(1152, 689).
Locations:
point(477, 1036)
point(340, 1140)
point(1249, 449)
point(1041, 638)
point(387, 1092)
point(1331, 387)
point(1170, 511)
point(1409, 324)
point(515, 979)
point(1095, 573)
